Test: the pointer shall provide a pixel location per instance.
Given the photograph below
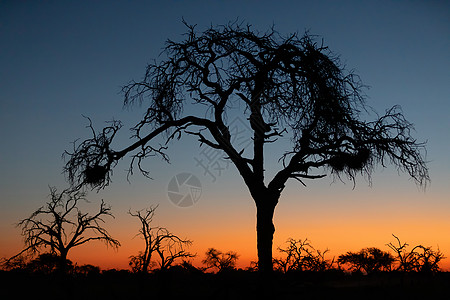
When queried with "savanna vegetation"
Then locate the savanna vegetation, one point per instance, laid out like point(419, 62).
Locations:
point(300, 269)
point(164, 267)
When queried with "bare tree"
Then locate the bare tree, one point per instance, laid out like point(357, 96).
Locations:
point(368, 260)
point(159, 240)
point(60, 226)
point(288, 86)
point(418, 259)
point(219, 260)
point(302, 256)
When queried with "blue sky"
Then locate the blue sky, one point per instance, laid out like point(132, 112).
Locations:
point(60, 60)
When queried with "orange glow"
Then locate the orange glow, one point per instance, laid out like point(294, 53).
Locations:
point(350, 228)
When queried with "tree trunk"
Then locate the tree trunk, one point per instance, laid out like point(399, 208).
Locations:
point(63, 261)
point(145, 263)
point(264, 233)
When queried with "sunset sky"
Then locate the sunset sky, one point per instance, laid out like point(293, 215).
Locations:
point(60, 60)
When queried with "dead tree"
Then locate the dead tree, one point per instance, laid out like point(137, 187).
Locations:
point(60, 226)
point(168, 246)
point(288, 86)
point(219, 260)
point(418, 259)
point(302, 256)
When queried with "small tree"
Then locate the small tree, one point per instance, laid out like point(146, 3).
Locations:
point(418, 259)
point(159, 240)
point(367, 260)
point(220, 261)
point(302, 256)
point(60, 226)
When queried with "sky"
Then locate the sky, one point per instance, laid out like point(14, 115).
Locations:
point(62, 60)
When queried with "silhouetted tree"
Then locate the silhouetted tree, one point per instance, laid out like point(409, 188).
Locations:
point(219, 260)
point(60, 226)
point(368, 260)
point(418, 259)
point(302, 256)
point(282, 85)
point(159, 240)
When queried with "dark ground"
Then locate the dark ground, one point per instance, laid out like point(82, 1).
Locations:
point(230, 285)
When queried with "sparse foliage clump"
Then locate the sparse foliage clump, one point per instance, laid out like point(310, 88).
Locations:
point(302, 256)
point(47, 263)
point(418, 259)
point(220, 261)
point(44, 263)
point(92, 165)
point(368, 260)
point(16, 263)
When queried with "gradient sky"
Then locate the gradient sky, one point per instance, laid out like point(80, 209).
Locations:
point(60, 60)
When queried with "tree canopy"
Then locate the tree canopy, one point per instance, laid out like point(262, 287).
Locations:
point(288, 84)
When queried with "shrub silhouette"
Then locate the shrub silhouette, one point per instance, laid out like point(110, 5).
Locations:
point(302, 256)
point(368, 260)
point(220, 261)
point(47, 263)
point(418, 259)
